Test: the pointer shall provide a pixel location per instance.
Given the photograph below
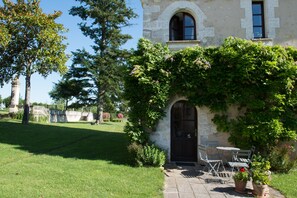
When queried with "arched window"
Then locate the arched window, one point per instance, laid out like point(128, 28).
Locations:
point(182, 27)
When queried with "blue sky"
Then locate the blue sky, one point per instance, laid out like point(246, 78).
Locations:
point(76, 40)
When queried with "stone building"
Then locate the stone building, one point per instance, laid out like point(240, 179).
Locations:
point(181, 23)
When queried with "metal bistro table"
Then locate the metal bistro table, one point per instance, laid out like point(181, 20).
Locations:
point(223, 149)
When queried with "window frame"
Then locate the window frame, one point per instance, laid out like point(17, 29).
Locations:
point(262, 15)
point(184, 26)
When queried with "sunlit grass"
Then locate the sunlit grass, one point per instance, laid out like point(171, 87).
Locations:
point(286, 183)
point(71, 160)
point(3, 112)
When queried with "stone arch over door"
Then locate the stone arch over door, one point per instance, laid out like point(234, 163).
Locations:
point(183, 132)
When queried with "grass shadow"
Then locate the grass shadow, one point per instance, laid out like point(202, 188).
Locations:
point(86, 142)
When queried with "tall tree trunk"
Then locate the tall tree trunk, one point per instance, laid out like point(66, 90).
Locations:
point(15, 95)
point(27, 99)
point(99, 112)
point(66, 105)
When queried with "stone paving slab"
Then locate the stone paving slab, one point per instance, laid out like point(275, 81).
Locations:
point(191, 182)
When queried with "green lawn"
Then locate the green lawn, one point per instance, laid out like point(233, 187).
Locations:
point(286, 183)
point(71, 160)
point(3, 112)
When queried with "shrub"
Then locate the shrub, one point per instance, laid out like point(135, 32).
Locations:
point(280, 158)
point(17, 116)
point(41, 119)
point(148, 155)
point(106, 116)
point(260, 169)
point(136, 133)
point(120, 116)
point(241, 175)
point(134, 149)
point(153, 156)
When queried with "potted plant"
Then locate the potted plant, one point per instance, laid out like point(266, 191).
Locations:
point(261, 176)
point(240, 179)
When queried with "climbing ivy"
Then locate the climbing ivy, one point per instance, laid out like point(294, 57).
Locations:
point(147, 86)
point(259, 80)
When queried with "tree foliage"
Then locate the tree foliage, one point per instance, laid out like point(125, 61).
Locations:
point(259, 80)
point(147, 86)
point(6, 101)
point(33, 43)
point(67, 89)
point(102, 22)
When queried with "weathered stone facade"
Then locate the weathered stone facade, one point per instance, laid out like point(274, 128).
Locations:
point(207, 131)
point(215, 20)
point(218, 19)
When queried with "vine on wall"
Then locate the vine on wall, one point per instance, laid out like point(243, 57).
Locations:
point(259, 79)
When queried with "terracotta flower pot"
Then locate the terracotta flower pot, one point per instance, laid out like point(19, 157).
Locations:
point(261, 191)
point(240, 186)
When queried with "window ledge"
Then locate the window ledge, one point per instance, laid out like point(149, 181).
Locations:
point(266, 41)
point(180, 44)
point(184, 41)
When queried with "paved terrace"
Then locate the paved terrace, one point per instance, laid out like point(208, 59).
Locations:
point(184, 181)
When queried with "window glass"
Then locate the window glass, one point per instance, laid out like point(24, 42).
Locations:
point(189, 21)
point(258, 32)
point(189, 33)
point(257, 20)
point(189, 37)
point(182, 27)
point(257, 8)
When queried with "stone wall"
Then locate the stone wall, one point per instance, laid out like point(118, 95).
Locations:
point(40, 113)
point(57, 116)
point(207, 132)
point(70, 116)
point(216, 20)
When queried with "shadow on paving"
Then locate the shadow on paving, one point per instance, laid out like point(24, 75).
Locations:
point(66, 142)
point(230, 191)
point(193, 181)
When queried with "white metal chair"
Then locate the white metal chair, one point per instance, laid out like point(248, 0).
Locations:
point(237, 165)
point(213, 165)
point(243, 156)
point(241, 159)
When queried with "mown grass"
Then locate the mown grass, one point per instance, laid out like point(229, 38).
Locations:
point(286, 183)
point(3, 112)
point(71, 160)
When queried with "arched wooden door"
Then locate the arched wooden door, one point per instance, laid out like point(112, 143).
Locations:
point(183, 132)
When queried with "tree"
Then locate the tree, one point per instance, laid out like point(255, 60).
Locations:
point(67, 89)
point(1, 100)
point(102, 22)
point(6, 101)
point(35, 43)
point(5, 70)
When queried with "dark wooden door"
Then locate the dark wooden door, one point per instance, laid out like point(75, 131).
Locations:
point(183, 132)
